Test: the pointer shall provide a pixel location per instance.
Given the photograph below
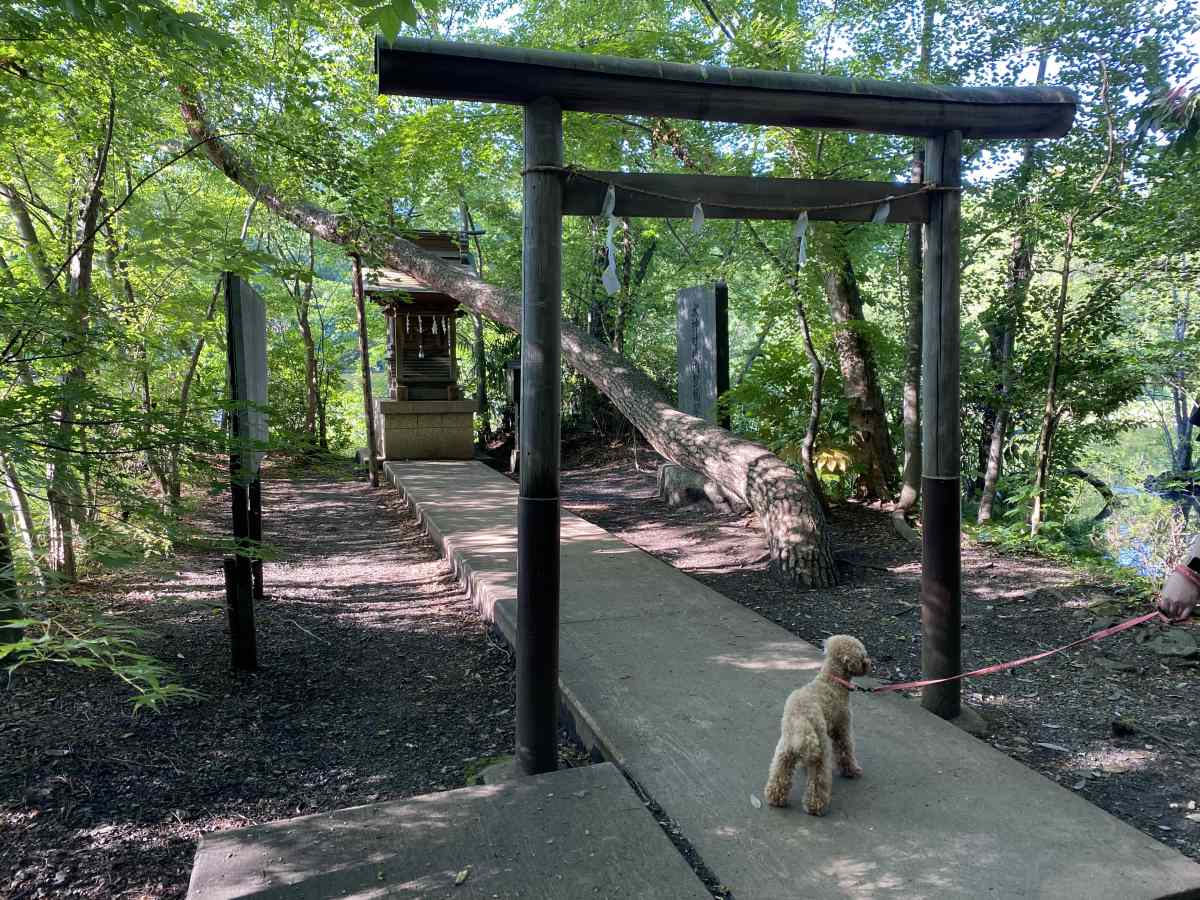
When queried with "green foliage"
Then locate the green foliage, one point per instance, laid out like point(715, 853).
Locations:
point(72, 637)
point(139, 360)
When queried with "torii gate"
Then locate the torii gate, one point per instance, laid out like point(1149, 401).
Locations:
point(545, 83)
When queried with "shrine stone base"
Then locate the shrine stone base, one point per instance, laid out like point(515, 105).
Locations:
point(425, 429)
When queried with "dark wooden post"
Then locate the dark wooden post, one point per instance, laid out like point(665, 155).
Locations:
point(941, 570)
point(722, 331)
point(368, 406)
point(537, 505)
point(239, 570)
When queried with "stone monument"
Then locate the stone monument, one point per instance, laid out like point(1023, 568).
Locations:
point(702, 358)
point(702, 348)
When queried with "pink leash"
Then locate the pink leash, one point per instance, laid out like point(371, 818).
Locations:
point(1000, 667)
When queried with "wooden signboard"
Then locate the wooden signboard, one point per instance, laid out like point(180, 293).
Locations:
point(246, 343)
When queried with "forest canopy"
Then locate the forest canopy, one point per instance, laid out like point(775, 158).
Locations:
point(1080, 360)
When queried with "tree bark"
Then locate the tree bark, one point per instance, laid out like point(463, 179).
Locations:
point(10, 597)
point(1051, 413)
point(365, 361)
point(910, 477)
point(174, 480)
point(791, 517)
point(29, 238)
point(303, 299)
point(815, 366)
point(910, 480)
point(808, 447)
point(118, 273)
point(63, 490)
point(1181, 457)
point(23, 518)
point(478, 348)
point(1105, 492)
point(631, 283)
point(859, 382)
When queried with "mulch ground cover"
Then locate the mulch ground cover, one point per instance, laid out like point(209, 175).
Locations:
point(378, 681)
point(1114, 721)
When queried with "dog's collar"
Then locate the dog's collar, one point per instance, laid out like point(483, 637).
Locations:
point(838, 679)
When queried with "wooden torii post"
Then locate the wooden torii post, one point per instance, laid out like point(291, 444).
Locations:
point(546, 83)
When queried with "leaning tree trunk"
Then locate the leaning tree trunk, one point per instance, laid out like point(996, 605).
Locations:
point(790, 515)
point(1099, 486)
point(859, 381)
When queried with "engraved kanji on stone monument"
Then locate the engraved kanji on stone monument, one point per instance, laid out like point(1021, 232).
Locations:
point(702, 348)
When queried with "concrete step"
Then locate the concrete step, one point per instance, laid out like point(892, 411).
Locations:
point(683, 689)
point(577, 833)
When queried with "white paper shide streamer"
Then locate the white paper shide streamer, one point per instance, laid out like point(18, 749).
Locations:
point(882, 211)
point(800, 236)
point(610, 280)
point(697, 218)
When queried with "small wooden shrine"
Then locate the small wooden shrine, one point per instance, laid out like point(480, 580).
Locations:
point(424, 415)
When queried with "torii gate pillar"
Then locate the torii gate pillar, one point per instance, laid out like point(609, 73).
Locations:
point(541, 401)
point(941, 571)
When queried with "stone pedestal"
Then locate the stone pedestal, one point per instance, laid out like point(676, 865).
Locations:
point(425, 429)
point(680, 487)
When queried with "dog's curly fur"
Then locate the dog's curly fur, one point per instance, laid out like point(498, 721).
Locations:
point(815, 731)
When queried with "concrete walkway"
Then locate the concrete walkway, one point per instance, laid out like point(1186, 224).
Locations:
point(683, 688)
point(576, 833)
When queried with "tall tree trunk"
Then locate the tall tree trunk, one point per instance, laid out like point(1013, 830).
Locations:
point(478, 348)
point(365, 363)
point(910, 478)
point(629, 292)
point(1050, 412)
point(816, 369)
point(174, 479)
point(791, 517)
point(10, 597)
point(599, 328)
point(63, 490)
point(1002, 334)
point(23, 518)
point(303, 298)
point(29, 237)
point(1181, 458)
point(859, 381)
point(751, 357)
point(808, 446)
point(118, 274)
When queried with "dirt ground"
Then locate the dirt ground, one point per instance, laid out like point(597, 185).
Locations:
point(378, 681)
point(1056, 716)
